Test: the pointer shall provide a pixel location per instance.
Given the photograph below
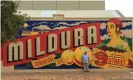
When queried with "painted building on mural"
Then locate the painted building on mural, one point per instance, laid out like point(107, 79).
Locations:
point(60, 44)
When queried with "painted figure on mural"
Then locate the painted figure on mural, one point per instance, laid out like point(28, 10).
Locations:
point(114, 45)
point(113, 30)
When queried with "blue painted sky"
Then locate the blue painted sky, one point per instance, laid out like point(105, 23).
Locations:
point(53, 24)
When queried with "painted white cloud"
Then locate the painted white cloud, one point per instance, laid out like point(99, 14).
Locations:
point(128, 33)
point(126, 24)
point(104, 37)
point(103, 26)
point(77, 23)
point(64, 23)
point(61, 27)
point(42, 27)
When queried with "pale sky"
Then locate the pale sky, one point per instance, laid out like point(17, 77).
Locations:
point(124, 6)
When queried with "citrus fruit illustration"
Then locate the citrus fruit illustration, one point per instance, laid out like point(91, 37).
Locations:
point(78, 53)
point(102, 58)
point(67, 57)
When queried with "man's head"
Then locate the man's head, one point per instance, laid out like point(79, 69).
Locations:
point(85, 52)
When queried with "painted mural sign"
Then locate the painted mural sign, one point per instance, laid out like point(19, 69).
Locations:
point(61, 44)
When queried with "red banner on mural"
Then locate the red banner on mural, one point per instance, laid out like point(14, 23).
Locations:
point(39, 46)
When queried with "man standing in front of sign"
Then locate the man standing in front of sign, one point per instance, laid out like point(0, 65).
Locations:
point(85, 60)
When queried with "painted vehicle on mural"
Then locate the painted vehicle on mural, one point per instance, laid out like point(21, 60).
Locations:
point(61, 44)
